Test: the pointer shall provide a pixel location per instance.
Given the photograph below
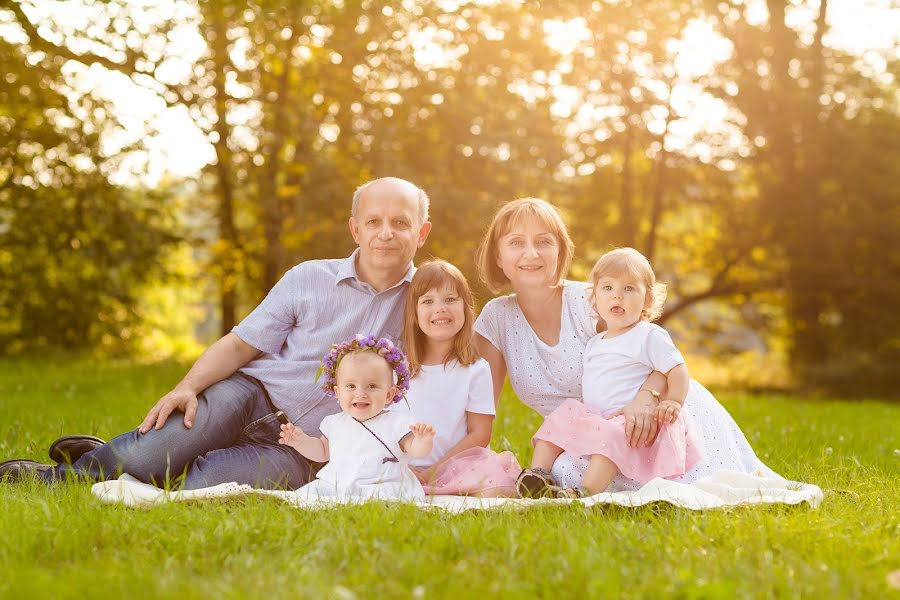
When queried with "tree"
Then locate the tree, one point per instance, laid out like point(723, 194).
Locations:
point(73, 247)
point(827, 171)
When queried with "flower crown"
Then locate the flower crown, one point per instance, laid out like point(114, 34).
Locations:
point(383, 347)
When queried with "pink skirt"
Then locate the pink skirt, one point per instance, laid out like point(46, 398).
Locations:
point(476, 472)
point(581, 430)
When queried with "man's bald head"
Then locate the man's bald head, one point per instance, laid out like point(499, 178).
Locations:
point(394, 186)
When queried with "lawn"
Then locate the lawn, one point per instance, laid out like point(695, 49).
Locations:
point(60, 542)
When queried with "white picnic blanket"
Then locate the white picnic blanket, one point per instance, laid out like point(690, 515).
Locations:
point(721, 489)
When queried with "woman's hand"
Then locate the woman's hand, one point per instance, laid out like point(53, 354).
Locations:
point(640, 420)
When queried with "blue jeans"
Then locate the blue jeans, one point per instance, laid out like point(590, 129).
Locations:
point(234, 438)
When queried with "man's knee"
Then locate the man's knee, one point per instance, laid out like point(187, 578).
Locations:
point(234, 394)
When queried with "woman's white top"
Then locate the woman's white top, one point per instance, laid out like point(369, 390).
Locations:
point(615, 368)
point(442, 395)
point(543, 376)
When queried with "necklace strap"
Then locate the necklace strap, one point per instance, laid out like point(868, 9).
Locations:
point(386, 459)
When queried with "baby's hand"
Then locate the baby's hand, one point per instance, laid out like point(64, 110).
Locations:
point(667, 411)
point(290, 435)
point(422, 431)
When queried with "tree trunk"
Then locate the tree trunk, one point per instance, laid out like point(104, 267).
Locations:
point(227, 229)
point(626, 207)
point(797, 190)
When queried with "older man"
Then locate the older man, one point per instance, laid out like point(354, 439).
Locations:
point(234, 398)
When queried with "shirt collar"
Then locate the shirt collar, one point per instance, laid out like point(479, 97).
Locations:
point(347, 270)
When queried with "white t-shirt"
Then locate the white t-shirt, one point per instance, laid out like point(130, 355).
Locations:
point(615, 368)
point(441, 396)
point(542, 376)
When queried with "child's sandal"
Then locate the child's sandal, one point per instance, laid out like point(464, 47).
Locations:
point(535, 483)
point(573, 493)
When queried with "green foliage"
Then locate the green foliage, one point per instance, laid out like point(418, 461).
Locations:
point(827, 163)
point(73, 247)
point(775, 233)
point(60, 541)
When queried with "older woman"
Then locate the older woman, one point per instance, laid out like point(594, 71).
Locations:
point(537, 336)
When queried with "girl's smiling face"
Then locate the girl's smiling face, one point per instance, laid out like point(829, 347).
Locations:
point(620, 301)
point(440, 314)
point(528, 254)
point(365, 384)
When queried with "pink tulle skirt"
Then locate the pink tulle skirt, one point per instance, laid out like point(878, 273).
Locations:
point(476, 472)
point(581, 430)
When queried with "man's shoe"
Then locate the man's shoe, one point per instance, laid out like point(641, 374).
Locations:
point(69, 448)
point(12, 471)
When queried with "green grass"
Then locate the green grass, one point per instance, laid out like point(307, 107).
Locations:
point(60, 542)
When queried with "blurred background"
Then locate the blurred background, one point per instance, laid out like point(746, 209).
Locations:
point(163, 163)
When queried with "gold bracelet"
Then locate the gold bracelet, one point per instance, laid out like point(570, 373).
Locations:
point(653, 393)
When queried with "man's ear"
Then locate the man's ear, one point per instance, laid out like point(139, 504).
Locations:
point(423, 232)
point(354, 229)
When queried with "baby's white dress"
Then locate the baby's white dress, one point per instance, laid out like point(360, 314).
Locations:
point(360, 465)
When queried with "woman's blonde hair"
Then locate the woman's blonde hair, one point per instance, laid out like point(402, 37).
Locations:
point(438, 274)
point(628, 261)
point(509, 216)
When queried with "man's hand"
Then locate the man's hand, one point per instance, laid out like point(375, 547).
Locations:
point(177, 399)
point(219, 362)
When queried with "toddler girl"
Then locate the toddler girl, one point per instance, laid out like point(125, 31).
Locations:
point(627, 297)
point(451, 388)
point(367, 448)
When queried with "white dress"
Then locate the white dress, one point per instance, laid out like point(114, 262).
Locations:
point(545, 376)
point(361, 466)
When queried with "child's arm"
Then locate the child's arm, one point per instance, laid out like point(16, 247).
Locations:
point(478, 434)
point(418, 442)
point(315, 449)
point(496, 361)
point(678, 381)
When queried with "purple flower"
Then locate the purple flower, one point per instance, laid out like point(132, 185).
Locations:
point(381, 346)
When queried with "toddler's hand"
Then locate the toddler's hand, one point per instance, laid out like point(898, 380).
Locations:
point(290, 435)
point(667, 411)
point(422, 431)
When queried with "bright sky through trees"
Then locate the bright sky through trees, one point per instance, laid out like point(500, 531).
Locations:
point(176, 146)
